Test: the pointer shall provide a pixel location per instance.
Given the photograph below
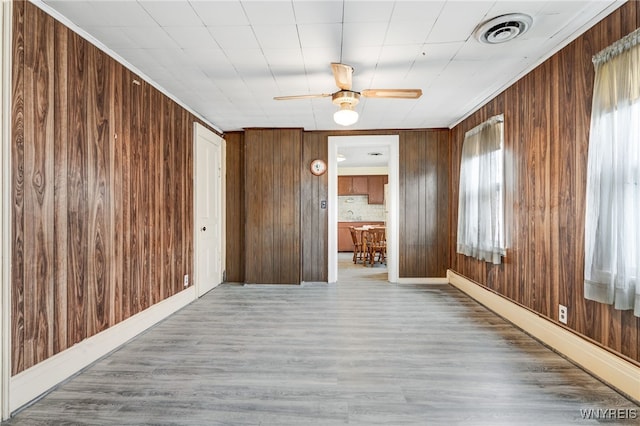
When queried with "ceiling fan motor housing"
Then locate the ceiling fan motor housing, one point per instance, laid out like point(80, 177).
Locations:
point(345, 97)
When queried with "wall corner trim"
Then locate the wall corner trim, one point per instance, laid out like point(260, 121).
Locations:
point(35, 381)
point(610, 368)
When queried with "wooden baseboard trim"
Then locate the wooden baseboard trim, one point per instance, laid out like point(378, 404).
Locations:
point(613, 370)
point(37, 380)
point(422, 281)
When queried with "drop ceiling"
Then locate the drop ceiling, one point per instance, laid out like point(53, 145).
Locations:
point(226, 60)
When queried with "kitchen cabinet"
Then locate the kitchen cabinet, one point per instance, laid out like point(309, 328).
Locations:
point(372, 185)
point(345, 243)
point(376, 188)
point(353, 185)
point(360, 185)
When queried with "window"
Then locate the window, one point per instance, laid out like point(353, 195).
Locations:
point(481, 195)
point(612, 219)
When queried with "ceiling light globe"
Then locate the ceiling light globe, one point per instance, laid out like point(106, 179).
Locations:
point(345, 117)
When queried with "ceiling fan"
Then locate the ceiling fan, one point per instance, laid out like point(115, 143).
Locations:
point(347, 99)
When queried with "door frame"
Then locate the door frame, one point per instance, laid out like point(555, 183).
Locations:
point(199, 129)
point(6, 12)
point(393, 143)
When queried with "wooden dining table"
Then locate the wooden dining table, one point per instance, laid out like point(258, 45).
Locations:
point(359, 230)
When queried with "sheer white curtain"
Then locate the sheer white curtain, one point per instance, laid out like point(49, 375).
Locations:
point(612, 223)
point(481, 199)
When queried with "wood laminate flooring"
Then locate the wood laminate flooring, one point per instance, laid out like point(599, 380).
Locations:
point(361, 351)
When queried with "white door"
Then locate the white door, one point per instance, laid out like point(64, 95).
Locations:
point(209, 216)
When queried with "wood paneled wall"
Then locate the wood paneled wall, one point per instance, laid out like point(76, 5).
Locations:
point(272, 205)
point(101, 186)
point(547, 118)
point(314, 219)
point(424, 203)
point(427, 153)
point(235, 213)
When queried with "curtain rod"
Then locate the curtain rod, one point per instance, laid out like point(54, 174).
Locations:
point(620, 46)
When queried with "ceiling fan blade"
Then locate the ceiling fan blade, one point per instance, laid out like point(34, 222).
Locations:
point(392, 93)
point(286, 98)
point(343, 75)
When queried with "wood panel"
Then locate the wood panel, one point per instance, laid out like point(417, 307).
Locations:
point(102, 190)
point(314, 219)
point(547, 118)
point(424, 204)
point(235, 231)
point(272, 205)
point(414, 265)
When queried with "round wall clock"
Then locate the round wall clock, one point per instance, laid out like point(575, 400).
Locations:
point(318, 167)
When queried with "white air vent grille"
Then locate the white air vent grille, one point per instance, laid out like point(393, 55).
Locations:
point(503, 28)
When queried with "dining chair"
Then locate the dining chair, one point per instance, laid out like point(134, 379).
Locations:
point(374, 243)
point(357, 245)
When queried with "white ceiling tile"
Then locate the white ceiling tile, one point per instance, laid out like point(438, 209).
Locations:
point(561, 7)
point(231, 76)
point(126, 14)
point(277, 36)
point(249, 63)
point(171, 13)
point(220, 69)
point(204, 57)
point(317, 12)
point(398, 56)
point(408, 32)
point(364, 34)
point(473, 50)
point(421, 79)
point(285, 59)
point(417, 11)
point(531, 7)
point(367, 11)
point(141, 58)
point(458, 20)
point(361, 57)
point(269, 12)
point(220, 13)
point(115, 38)
point(171, 58)
point(150, 37)
point(263, 87)
point(81, 13)
point(547, 26)
point(440, 52)
point(195, 37)
point(320, 35)
point(320, 58)
point(236, 37)
point(322, 84)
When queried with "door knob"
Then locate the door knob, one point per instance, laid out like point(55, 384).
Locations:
point(204, 228)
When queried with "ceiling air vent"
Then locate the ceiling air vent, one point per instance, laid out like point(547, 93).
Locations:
point(503, 28)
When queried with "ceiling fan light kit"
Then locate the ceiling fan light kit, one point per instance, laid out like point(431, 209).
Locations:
point(347, 99)
point(346, 115)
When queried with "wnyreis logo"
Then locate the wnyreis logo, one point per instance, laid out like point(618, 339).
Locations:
point(609, 413)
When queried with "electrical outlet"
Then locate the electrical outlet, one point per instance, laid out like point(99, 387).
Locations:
point(562, 314)
point(186, 280)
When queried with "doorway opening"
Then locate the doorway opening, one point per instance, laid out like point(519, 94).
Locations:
point(386, 145)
